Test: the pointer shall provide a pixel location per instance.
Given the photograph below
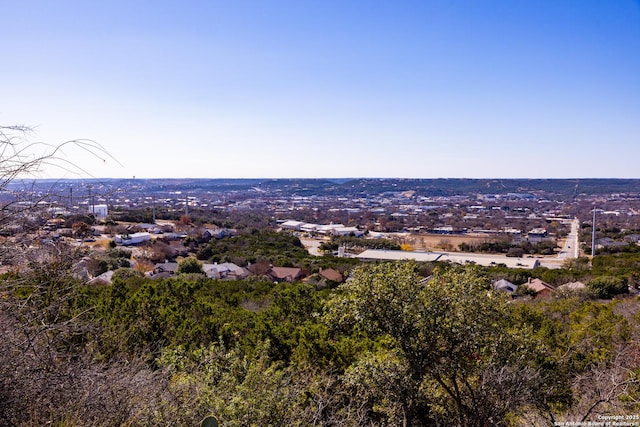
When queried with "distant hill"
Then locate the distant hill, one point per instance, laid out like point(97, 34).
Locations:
point(563, 188)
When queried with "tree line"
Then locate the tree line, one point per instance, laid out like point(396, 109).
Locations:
point(389, 347)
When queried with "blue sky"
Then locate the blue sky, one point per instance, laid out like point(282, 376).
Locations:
point(323, 88)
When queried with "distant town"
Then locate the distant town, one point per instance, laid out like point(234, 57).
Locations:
point(516, 223)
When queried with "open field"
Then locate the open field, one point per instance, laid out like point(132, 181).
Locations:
point(445, 242)
point(421, 242)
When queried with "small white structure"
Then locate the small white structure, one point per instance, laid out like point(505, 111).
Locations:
point(132, 239)
point(99, 211)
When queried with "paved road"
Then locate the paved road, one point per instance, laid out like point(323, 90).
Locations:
point(571, 247)
point(311, 245)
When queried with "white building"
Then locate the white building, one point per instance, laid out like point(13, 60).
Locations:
point(454, 257)
point(99, 211)
point(347, 231)
point(132, 239)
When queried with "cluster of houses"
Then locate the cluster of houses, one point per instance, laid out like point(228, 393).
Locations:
point(538, 287)
point(231, 271)
point(608, 242)
point(226, 270)
point(141, 237)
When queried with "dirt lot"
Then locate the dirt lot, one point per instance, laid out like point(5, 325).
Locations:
point(444, 242)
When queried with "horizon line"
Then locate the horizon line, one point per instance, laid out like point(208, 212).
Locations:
point(324, 178)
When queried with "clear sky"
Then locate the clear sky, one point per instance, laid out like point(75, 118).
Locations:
point(330, 88)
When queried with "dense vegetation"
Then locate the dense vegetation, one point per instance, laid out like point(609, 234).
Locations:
point(255, 246)
point(387, 348)
point(198, 216)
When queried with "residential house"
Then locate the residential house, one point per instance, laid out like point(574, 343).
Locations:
point(225, 270)
point(541, 288)
point(325, 278)
point(331, 274)
point(165, 268)
point(217, 233)
point(505, 286)
point(285, 274)
point(634, 238)
point(608, 242)
point(174, 236)
point(537, 235)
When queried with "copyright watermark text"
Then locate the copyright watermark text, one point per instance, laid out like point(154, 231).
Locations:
point(604, 421)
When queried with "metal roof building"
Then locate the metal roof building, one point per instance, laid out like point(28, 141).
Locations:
point(486, 260)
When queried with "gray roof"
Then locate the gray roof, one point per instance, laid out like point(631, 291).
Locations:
point(455, 257)
point(169, 267)
point(504, 285)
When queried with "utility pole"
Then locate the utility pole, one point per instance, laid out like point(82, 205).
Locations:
point(593, 235)
point(90, 200)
